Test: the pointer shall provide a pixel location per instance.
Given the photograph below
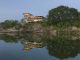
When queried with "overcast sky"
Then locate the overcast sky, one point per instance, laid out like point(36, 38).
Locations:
point(13, 9)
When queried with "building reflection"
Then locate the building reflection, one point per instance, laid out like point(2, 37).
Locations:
point(30, 45)
point(32, 41)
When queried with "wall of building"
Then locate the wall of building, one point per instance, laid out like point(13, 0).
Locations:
point(30, 18)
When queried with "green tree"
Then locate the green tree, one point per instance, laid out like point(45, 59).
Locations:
point(10, 24)
point(62, 14)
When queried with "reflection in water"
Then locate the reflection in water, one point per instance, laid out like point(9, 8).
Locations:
point(29, 45)
point(61, 46)
point(32, 41)
point(8, 38)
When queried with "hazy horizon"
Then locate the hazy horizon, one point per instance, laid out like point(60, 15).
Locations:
point(13, 9)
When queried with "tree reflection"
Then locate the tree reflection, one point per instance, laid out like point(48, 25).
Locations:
point(63, 47)
point(59, 46)
point(8, 38)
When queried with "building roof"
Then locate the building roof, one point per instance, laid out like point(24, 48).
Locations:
point(27, 14)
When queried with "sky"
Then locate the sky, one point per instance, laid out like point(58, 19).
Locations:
point(14, 9)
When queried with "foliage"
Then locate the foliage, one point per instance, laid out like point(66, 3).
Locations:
point(10, 24)
point(63, 16)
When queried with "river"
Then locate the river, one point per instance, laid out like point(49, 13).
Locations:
point(38, 47)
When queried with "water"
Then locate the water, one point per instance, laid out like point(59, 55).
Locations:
point(38, 47)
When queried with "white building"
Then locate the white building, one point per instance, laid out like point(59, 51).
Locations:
point(30, 18)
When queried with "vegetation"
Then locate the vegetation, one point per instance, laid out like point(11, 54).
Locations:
point(63, 16)
point(62, 46)
point(10, 24)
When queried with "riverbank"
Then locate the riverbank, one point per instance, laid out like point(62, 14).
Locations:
point(41, 27)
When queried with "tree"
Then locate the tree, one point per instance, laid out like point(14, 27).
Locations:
point(62, 14)
point(10, 24)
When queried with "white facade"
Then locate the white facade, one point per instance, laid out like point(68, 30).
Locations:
point(30, 18)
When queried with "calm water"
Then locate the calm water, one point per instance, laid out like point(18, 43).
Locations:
point(39, 47)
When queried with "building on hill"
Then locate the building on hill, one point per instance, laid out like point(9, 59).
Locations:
point(30, 18)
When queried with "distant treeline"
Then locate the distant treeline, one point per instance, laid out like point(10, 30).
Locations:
point(7, 24)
